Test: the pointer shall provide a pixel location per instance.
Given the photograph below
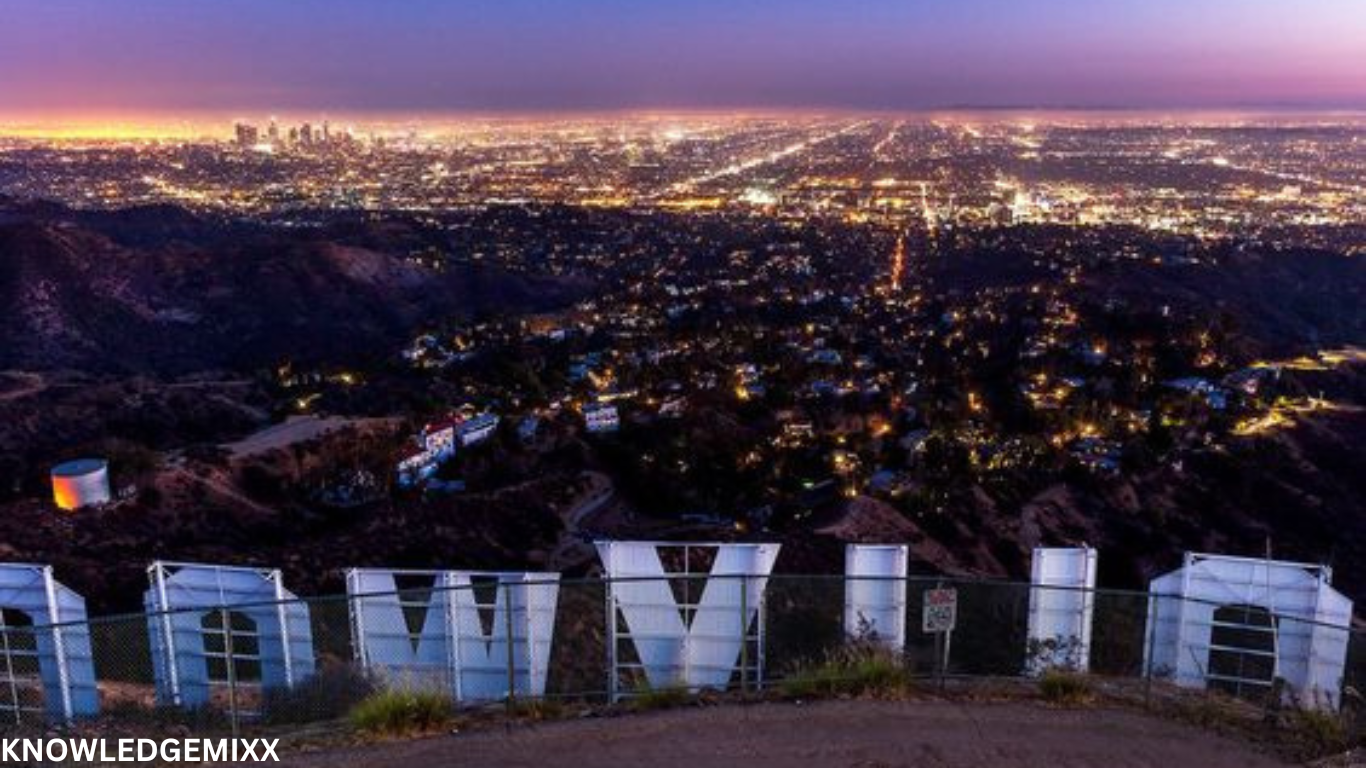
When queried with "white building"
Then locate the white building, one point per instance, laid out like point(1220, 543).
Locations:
point(673, 407)
point(601, 417)
point(416, 466)
point(477, 429)
point(439, 438)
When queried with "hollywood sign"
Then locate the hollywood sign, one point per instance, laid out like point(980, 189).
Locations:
point(441, 630)
point(678, 615)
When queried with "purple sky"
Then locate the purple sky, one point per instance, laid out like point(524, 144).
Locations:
point(128, 56)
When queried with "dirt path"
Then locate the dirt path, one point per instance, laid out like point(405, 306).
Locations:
point(295, 429)
point(222, 488)
point(833, 735)
point(571, 551)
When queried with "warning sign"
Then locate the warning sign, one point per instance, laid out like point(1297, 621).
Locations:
point(941, 610)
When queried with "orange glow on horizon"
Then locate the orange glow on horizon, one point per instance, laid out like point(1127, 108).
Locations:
point(132, 126)
point(97, 130)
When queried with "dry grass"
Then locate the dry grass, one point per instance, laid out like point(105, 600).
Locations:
point(648, 699)
point(858, 670)
point(399, 712)
point(1067, 689)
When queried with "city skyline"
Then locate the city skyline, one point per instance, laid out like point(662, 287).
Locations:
point(357, 56)
point(193, 126)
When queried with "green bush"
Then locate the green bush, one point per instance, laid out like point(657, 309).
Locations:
point(1316, 732)
point(397, 712)
point(648, 699)
point(1065, 688)
point(859, 670)
point(326, 695)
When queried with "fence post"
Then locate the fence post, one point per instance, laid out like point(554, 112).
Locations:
point(58, 645)
point(760, 633)
point(511, 654)
point(941, 653)
point(9, 672)
point(226, 619)
point(744, 634)
point(611, 613)
point(1148, 652)
point(948, 650)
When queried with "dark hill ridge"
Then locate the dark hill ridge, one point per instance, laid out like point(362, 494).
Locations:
point(164, 291)
point(1279, 300)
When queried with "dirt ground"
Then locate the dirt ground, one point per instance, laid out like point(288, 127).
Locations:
point(295, 429)
point(851, 734)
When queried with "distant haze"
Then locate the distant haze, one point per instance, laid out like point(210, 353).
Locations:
point(126, 56)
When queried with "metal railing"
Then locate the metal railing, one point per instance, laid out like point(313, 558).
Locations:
point(481, 648)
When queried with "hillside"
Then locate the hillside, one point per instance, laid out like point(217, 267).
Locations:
point(141, 336)
point(165, 292)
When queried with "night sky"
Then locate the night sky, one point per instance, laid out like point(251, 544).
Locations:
point(72, 56)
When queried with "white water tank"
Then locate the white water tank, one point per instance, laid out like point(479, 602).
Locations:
point(81, 483)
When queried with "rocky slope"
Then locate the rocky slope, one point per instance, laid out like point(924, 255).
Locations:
point(156, 291)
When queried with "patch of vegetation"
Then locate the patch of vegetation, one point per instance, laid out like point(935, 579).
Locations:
point(1068, 689)
point(1313, 733)
point(648, 699)
point(327, 695)
point(1210, 710)
point(1298, 732)
point(201, 719)
point(536, 709)
point(398, 712)
point(855, 670)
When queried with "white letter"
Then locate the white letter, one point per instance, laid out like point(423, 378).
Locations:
point(83, 750)
point(215, 750)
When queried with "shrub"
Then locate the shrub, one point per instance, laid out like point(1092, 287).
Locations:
point(1213, 710)
point(648, 699)
point(1062, 653)
point(397, 712)
point(1064, 688)
point(1316, 732)
point(857, 670)
point(327, 695)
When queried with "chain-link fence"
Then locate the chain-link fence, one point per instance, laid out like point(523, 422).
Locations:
point(496, 639)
